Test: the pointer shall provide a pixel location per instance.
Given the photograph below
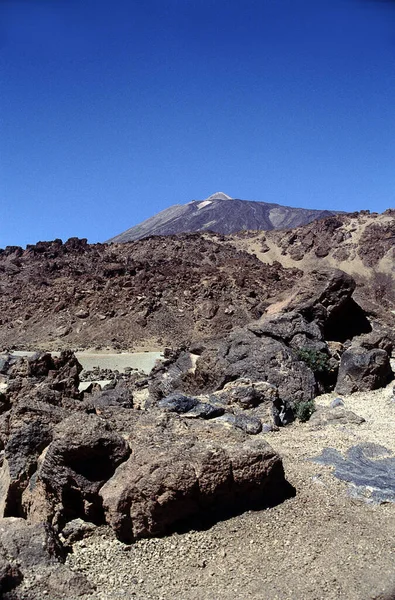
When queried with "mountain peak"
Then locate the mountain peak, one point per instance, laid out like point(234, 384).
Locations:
point(222, 214)
point(219, 196)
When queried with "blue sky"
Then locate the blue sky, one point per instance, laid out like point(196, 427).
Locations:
point(113, 110)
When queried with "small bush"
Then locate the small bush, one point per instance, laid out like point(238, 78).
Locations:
point(315, 359)
point(304, 410)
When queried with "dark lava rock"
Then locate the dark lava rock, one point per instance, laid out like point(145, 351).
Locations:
point(250, 425)
point(204, 410)
point(369, 467)
point(178, 403)
point(363, 370)
point(75, 530)
point(245, 355)
point(31, 560)
point(120, 395)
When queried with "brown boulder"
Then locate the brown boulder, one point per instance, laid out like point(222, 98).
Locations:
point(182, 470)
point(334, 416)
point(83, 455)
point(24, 433)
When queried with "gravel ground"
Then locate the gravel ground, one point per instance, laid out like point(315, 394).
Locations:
point(322, 544)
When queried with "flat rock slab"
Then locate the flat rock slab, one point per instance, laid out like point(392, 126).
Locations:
point(370, 468)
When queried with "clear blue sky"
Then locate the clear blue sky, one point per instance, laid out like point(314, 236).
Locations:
point(112, 110)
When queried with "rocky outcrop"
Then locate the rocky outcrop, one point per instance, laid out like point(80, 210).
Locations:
point(95, 457)
point(244, 356)
point(361, 244)
point(83, 455)
point(44, 377)
point(165, 290)
point(296, 347)
point(265, 351)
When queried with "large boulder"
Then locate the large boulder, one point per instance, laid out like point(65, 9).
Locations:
point(244, 354)
point(362, 370)
point(180, 470)
point(25, 431)
point(325, 297)
point(83, 455)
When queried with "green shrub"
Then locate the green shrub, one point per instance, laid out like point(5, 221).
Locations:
point(315, 359)
point(304, 410)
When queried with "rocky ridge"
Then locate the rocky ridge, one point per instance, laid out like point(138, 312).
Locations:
point(157, 292)
point(361, 244)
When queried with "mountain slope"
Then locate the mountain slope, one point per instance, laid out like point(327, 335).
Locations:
point(222, 214)
point(155, 292)
point(361, 244)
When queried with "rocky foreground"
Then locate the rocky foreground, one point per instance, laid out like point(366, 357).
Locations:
point(179, 450)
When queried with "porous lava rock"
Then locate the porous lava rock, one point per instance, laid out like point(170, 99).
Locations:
point(180, 470)
point(83, 455)
point(363, 370)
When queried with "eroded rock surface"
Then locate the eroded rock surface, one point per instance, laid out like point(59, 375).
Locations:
point(180, 470)
point(363, 370)
point(31, 564)
point(69, 456)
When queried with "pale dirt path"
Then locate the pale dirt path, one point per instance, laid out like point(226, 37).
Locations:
point(142, 361)
point(322, 544)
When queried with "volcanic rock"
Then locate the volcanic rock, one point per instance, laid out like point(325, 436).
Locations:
point(334, 416)
point(164, 290)
point(31, 560)
point(245, 355)
point(182, 469)
point(83, 455)
point(362, 370)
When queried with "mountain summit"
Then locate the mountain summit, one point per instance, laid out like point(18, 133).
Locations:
point(219, 196)
point(222, 214)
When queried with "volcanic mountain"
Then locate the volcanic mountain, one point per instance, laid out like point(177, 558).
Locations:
point(222, 214)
